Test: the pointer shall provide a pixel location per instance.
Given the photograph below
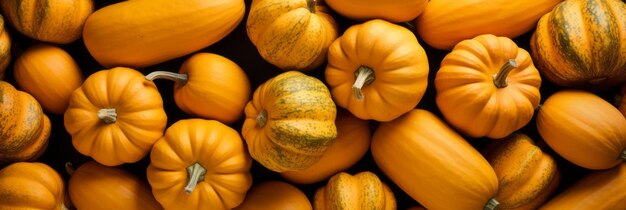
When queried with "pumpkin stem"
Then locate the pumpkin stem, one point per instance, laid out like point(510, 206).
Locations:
point(196, 174)
point(492, 204)
point(500, 78)
point(623, 156)
point(176, 77)
point(261, 118)
point(311, 5)
point(364, 76)
point(69, 168)
point(108, 115)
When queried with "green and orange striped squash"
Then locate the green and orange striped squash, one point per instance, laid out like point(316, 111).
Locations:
point(361, 191)
point(5, 47)
point(275, 195)
point(390, 10)
point(290, 122)
point(25, 185)
point(581, 43)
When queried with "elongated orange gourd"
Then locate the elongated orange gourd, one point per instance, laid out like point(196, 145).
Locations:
point(359, 192)
point(390, 10)
point(26, 185)
point(275, 195)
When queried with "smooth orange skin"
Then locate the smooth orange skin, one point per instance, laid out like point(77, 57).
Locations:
point(5, 47)
point(361, 191)
point(27, 185)
point(390, 10)
point(275, 195)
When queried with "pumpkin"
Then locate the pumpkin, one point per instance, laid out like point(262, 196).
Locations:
point(351, 144)
point(598, 190)
point(56, 21)
point(364, 190)
point(291, 34)
point(142, 33)
point(5, 47)
point(24, 130)
point(49, 74)
point(433, 164)
point(115, 116)
point(393, 11)
point(487, 86)
point(377, 70)
point(526, 175)
point(26, 185)
point(290, 122)
point(583, 128)
point(275, 195)
point(97, 187)
point(579, 43)
point(209, 80)
point(444, 23)
point(199, 164)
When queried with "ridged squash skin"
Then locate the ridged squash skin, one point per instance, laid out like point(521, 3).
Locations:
point(390, 10)
point(361, 191)
point(26, 185)
point(5, 47)
point(142, 33)
point(275, 195)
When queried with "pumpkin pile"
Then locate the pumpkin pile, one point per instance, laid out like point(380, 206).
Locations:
point(312, 104)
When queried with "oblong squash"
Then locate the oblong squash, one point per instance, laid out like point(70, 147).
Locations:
point(275, 195)
point(390, 10)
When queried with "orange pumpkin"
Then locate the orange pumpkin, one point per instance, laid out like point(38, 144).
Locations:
point(377, 70)
point(31, 186)
point(275, 195)
point(487, 86)
point(583, 128)
point(393, 11)
point(209, 80)
point(115, 116)
point(5, 47)
point(361, 191)
point(199, 164)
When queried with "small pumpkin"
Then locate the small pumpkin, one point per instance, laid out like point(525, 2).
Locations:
point(56, 21)
point(393, 11)
point(583, 128)
point(580, 43)
point(290, 122)
point(24, 129)
point(209, 86)
point(291, 34)
point(5, 47)
point(487, 86)
point(275, 195)
point(49, 74)
point(25, 185)
point(433, 164)
point(377, 70)
point(351, 144)
point(97, 187)
point(364, 190)
point(115, 116)
point(198, 164)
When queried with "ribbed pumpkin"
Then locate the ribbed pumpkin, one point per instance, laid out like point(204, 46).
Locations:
point(359, 192)
point(433, 164)
point(601, 190)
point(142, 33)
point(5, 47)
point(526, 175)
point(487, 86)
point(56, 21)
point(444, 23)
point(581, 43)
point(115, 116)
point(351, 144)
point(393, 11)
point(96, 187)
point(291, 34)
point(49, 74)
point(290, 122)
point(275, 195)
point(377, 70)
point(31, 186)
point(24, 130)
point(209, 86)
point(583, 128)
point(199, 164)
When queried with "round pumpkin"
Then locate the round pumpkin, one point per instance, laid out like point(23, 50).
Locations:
point(24, 129)
point(209, 80)
point(5, 47)
point(583, 128)
point(49, 74)
point(433, 164)
point(291, 34)
point(275, 195)
point(290, 122)
point(362, 191)
point(487, 86)
point(56, 21)
point(142, 33)
point(26, 185)
point(393, 11)
point(444, 23)
point(351, 144)
point(199, 164)
point(377, 70)
point(115, 116)
point(96, 187)
point(580, 43)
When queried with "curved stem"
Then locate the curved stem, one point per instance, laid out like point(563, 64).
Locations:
point(108, 115)
point(261, 118)
point(69, 168)
point(500, 78)
point(492, 204)
point(176, 77)
point(364, 76)
point(196, 174)
point(311, 5)
point(623, 155)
